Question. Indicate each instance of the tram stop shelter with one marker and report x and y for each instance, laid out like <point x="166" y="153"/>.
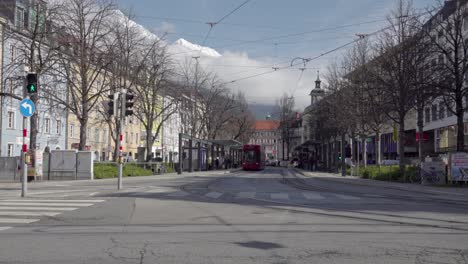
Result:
<point x="202" y="155"/>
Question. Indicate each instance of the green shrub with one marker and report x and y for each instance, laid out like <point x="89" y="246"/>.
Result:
<point x="109" y="170"/>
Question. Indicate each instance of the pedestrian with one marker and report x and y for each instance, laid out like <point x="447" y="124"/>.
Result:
<point x="217" y="162"/>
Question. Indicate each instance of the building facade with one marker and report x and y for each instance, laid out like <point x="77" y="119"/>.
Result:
<point x="267" y="135"/>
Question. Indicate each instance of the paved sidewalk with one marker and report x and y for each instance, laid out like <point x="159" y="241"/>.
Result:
<point x="14" y="188"/>
<point x="457" y="191"/>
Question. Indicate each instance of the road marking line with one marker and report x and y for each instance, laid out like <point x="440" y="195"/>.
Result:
<point x="214" y="195"/>
<point x="246" y="195"/>
<point x="94" y="193"/>
<point x="37" y="208"/>
<point x="13" y="213"/>
<point x="46" y="204"/>
<point x="279" y="196"/>
<point x="347" y="197"/>
<point x="3" y="228"/>
<point x="55" y="201"/>
<point x="313" y="196"/>
<point x="178" y="194"/>
<point x="52" y="192"/>
<point x="17" y="220"/>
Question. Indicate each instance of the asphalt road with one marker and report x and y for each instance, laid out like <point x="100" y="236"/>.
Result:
<point x="274" y="216"/>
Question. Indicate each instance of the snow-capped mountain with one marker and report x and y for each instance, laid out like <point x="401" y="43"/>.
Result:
<point x="182" y="45"/>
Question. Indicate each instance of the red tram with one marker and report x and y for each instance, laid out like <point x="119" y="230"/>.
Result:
<point x="253" y="158"/>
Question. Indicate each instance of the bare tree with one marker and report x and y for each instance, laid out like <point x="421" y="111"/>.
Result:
<point x="240" y="126"/>
<point x="446" y="31"/>
<point x="157" y="98"/>
<point x="134" y="54"/>
<point x="285" y="106"/>
<point x="396" y="66"/>
<point x="84" y="59"/>
<point x="35" y="47"/>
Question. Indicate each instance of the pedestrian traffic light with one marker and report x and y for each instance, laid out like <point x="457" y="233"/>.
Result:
<point x="129" y="96"/>
<point x="31" y="82"/>
<point x="112" y="104"/>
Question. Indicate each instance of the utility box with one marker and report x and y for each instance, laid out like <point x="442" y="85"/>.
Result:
<point x="84" y="165"/>
<point x="62" y="165"/>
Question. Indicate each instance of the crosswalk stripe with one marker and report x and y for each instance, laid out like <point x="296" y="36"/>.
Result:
<point x="42" y="208"/>
<point x="214" y="195"/>
<point x="247" y="195"/>
<point x="313" y="196"/>
<point x="55" y="201"/>
<point x="14" y="213"/>
<point x="282" y="196"/>
<point x="347" y="197"/>
<point x="3" y="228"/>
<point x="46" y="204"/>
<point x="17" y="220"/>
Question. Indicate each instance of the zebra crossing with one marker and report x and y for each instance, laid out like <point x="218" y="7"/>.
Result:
<point x="25" y="211"/>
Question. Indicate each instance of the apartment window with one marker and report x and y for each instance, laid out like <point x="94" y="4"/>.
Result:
<point x="47" y="125"/>
<point x="441" y="60"/>
<point x="126" y="137"/>
<point x="434" y="112"/>
<point x="11" y="120"/>
<point x="427" y="115"/>
<point x="12" y="54"/>
<point x="449" y="113"/>
<point x="96" y="135"/>
<point x="131" y="137"/>
<point x="88" y="133"/>
<point x="441" y="111"/>
<point x="136" y="139"/>
<point x="72" y="131"/>
<point x="465" y="22"/>
<point x="58" y="127"/>
<point x="19" y="18"/>
<point x="10" y="150"/>
<point x="104" y="136"/>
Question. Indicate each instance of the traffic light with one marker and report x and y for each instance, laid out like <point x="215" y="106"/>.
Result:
<point x="129" y="96"/>
<point x="112" y="104"/>
<point x="31" y="82"/>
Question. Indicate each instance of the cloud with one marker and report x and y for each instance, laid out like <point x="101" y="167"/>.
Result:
<point x="166" y="27"/>
<point x="258" y="80"/>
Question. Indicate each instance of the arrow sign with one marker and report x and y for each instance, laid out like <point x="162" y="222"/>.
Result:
<point x="27" y="107"/>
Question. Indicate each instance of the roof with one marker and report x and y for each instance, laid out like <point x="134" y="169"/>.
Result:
<point x="266" y="125"/>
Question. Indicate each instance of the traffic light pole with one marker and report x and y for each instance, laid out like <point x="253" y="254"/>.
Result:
<point x="121" y="116"/>
<point x="24" y="166"/>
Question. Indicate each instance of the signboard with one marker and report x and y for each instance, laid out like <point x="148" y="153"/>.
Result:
<point x="27" y="107"/>
<point x="39" y="161"/>
<point x="459" y="166"/>
<point x="433" y="172"/>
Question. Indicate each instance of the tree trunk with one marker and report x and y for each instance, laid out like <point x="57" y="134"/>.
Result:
<point x="378" y="151"/>
<point x="357" y="156"/>
<point x="460" y="130"/>
<point x="34" y="126"/>
<point x="343" y="154"/>
<point x="420" y="131"/>
<point x="149" y="145"/>
<point x="364" y="156"/>
<point x="83" y="134"/>
<point x="401" y="146"/>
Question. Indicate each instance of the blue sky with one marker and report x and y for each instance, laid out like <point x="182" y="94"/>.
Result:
<point x="260" y="19"/>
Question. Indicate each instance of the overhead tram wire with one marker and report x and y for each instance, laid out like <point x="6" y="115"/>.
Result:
<point x="213" y="24"/>
<point x="321" y="55"/>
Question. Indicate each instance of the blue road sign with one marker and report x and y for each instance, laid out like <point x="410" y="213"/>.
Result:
<point x="27" y="107"/>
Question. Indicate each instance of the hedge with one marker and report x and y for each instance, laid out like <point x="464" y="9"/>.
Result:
<point x="384" y="173"/>
<point x="109" y="170"/>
